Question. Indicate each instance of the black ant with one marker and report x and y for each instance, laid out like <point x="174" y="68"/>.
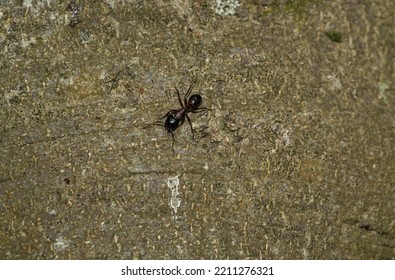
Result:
<point x="176" y="118"/>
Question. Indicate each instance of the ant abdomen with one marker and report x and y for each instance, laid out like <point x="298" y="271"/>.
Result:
<point x="171" y="123"/>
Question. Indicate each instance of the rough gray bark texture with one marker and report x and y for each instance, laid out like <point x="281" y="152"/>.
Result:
<point x="294" y="161"/>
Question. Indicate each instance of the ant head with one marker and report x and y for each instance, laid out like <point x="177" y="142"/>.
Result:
<point x="171" y="123"/>
<point x="195" y="101"/>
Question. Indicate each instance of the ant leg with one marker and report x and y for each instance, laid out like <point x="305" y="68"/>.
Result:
<point x="158" y="123"/>
<point x="190" y="123"/>
<point x="179" y="98"/>
<point x="168" y="113"/>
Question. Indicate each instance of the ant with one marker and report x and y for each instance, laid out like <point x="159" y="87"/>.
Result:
<point x="176" y="118"/>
